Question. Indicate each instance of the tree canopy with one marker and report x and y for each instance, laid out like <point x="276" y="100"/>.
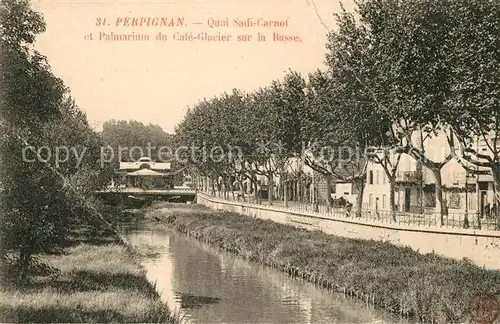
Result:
<point x="48" y="152"/>
<point x="397" y="73"/>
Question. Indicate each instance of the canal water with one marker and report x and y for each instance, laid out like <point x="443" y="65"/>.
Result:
<point x="209" y="286"/>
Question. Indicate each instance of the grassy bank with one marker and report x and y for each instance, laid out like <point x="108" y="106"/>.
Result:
<point x="396" y="278"/>
<point x="93" y="279"/>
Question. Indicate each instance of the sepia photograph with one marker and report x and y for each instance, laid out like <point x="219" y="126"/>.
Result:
<point x="250" y="161"/>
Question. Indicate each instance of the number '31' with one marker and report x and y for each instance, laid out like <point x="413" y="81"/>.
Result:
<point x="100" y="22"/>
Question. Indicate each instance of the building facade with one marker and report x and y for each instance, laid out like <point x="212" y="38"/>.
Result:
<point x="145" y="173"/>
<point x="415" y="188"/>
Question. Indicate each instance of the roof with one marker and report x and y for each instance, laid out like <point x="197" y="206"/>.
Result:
<point x="137" y="165"/>
<point x="342" y="181"/>
<point x="146" y="172"/>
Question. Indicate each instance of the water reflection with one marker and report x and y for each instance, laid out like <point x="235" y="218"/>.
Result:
<point x="209" y="286"/>
<point x="191" y="301"/>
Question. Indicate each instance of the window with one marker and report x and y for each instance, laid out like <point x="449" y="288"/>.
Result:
<point x="384" y="201"/>
<point x="346" y="193"/>
<point x="145" y="166"/>
<point x="483" y="185"/>
<point x="454" y="200"/>
<point x="376" y="177"/>
<point x="371" y="177"/>
<point x="384" y="178"/>
<point x="430" y="199"/>
<point x="370" y="201"/>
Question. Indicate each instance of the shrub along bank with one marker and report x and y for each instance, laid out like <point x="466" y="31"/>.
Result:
<point x="428" y="287"/>
<point x="94" y="278"/>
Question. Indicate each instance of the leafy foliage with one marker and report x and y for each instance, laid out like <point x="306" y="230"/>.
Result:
<point x="38" y="117"/>
<point x="397" y="70"/>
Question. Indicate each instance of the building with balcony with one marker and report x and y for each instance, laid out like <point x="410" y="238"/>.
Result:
<point x="415" y="189"/>
<point x="485" y="183"/>
<point x="407" y="192"/>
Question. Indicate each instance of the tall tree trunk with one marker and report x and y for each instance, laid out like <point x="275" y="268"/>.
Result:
<point x="280" y="189"/>
<point x="328" y="191"/>
<point x="303" y="190"/>
<point x="23" y="264"/>
<point x="392" y="198"/>
<point x="300" y="188"/>
<point x="242" y="190"/>
<point x="256" y="191"/>
<point x="226" y="187"/>
<point x="314" y="193"/>
<point x="250" y="186"/>
<point x="360" y="185"/>
<point x="270" y="188"/>
<point x="231" y="188"/>
<point x="285" y="193"/>
<point x="496" y="183"/>
<point x="439" y="194"/>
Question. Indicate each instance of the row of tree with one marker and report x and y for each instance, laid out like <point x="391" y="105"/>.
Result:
<point x="41" y="200"/>
<point x="394" y="69"/>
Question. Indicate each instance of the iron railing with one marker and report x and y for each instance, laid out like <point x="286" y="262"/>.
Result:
<point x="146" y="190"/>
<point x="458" y="220"/>
<point x="408" y="176"/>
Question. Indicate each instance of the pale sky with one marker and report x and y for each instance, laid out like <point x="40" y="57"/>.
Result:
<point x="155" y="81"/>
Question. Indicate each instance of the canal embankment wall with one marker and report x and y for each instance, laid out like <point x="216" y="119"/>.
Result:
<point x="482" y="247"/>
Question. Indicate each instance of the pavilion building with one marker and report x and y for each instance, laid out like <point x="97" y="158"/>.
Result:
<point x="146" y="174"/>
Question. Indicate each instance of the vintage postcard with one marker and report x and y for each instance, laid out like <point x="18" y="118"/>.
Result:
<point x="265" y="161"/>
